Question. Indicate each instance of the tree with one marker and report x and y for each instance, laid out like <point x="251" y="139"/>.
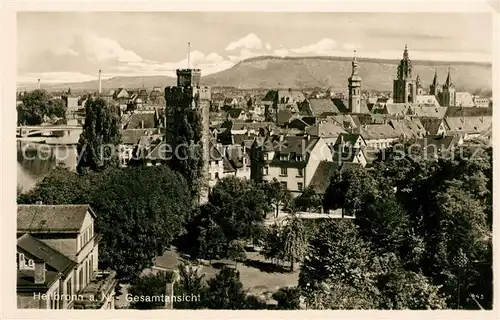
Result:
<point x="146" y="287"/>
<point x="383" y="223"/>
<point x="99" y="141"/>
<point x="287" y="242"/>
<point x="241" y="206"/>
<point x="140" y="212"/>
<point x="225" y="291"/>
<point x="276" y="194"/>
<point x="236" y="251"/>
<point x="308" y="200"/>
<point x="38" y="105"/>
<point x="191" y="283"/>
<point x="213" y="242"/>
<point x="288" y="298"/>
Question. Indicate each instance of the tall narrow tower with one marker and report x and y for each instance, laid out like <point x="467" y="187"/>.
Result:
<point x="434" y="88"/>
<point x="404" y="88"/>
<point x="38" y="84"/>
<point x="448" y="92"/>
<point x="185" y="102"/>
<point x="100" y="88"/>
<point x="354" y="88"/>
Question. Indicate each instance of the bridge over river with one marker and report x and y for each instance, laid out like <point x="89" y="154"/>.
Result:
<point x="66" y="130"/>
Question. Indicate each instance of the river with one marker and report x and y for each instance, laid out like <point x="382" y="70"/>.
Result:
<point x="35" y="160"/>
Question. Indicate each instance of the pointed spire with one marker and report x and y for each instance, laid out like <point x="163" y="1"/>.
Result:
<point x="435" y="81"/>
<point x="448" y="82"/>
<point x="354" y="64"/>
<point x="405" y="53"/>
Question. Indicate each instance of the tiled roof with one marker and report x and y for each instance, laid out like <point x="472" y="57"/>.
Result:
<point x="349" y="139"/>
<point x="468" y="112"/>
<point x="227" y="165"/>
<point x="427" y="99"/>
<point x="235" y="112"/>
<point x="51" y="218"/>
<point x="325" y="129"/>
<point x="379" y="131"/>
<point x="137" y="119"/>
<point x="320" y="106"/>
<point x="26" y="281"/>
<point x="283" y="116"/>
<point x="42" y="251"/>
<point x="294" y="144"/>
<point x="321" y="178"/>
<point x="468" y="124"/>
<point x="431" y="126"/>
<point x="132" y="136"/>
<point x="418" y="110"/>
<point x="411" y="128"/>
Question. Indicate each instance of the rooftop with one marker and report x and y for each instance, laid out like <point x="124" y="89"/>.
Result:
<point x="101" y="285"/>
<point x="51" y="218"/>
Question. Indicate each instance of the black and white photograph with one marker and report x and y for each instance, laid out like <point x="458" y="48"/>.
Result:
<point x="216" y="160"/>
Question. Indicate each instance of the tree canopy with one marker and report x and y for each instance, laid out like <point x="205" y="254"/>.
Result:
<point x="38" y="106"/>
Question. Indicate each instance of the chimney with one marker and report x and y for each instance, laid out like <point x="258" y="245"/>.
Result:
<point x="39" y="272"/>
<point x="38" y="84"/>
<point x="100" y="88"/>
<point x="142" y="124"/>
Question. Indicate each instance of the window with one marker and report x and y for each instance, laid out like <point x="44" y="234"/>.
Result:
<point x="217" y="163"/>
<point x="300" y="172"/>
<point x="284" y="171"/>
<point x="283" y="185"/>
<point x="266" y="171"/>
<point x="300" y="186"/>
<point x="216" y="175"/>
<point x="68" y="286"/>
<point x="283" y="157"/>
<point x="31" y="263"/>
<point x="298" y="158"/>
<point x="266" y="156"/>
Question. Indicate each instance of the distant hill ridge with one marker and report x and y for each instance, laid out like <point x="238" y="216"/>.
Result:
<point x="266" y="72"/>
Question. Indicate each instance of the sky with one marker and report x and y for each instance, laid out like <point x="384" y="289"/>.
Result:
<point x="73" y="46"/>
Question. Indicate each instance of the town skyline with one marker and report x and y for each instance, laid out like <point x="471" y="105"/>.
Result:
<point x="157" y="43"/>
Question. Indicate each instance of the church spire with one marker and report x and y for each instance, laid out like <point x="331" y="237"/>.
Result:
<point x="448" y="82"/>
<point x="354" y="64"/>
<point x="405" y="53"/>
<point x="435" y="81"/>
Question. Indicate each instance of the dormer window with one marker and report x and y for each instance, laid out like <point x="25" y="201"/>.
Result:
<point x="266" y="156"/>
<point x="299" y="157"/>
<point x="283" y="157"/>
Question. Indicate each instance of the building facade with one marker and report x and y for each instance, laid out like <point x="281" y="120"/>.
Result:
<point x="57" y="259"/>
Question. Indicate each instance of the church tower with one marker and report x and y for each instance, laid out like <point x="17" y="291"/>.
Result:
<point x="404" y="87"/>
<point x="448" y="92"/>
<point x="434" y="88"/>
<point x="354" y="88"/>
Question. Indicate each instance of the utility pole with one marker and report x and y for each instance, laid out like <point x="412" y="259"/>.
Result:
<point x="189" y="54"/>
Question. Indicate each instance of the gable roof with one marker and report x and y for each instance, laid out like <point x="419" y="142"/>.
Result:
<point x="412" y="109"/>
<point x="132" y="136"/>
<point x="410" y="128"/>
<point x="137" y="119"/>
<point x="51" y="218"/>
<point x="235" y="112"/>
<point x="468" y="124"/>
<point x="431" y="126"/>
<point x="42" y="251"/>
<point x="468" y="112"/>
<point x="322" y="176"/>
<point x="379" y="131"/>
<point x="325" y="128"/>
<point x="320" y="106"/>
<point x="283" y="117"/>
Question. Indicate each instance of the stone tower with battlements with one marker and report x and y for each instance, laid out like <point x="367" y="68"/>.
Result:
<point x="188" y="96"/>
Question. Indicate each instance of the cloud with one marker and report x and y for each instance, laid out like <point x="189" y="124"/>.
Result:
<point x="251" y="41"/>
<point x="321" y="47"/>
<point x="268" y="46"/>
<point x="102" y="49"/>
<point x="351" y="46"/>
